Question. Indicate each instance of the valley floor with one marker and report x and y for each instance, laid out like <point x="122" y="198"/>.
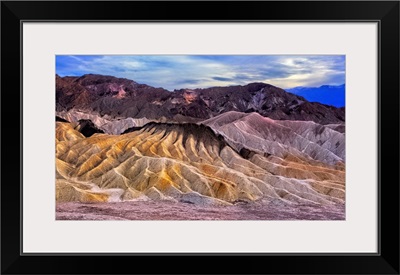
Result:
<point x="164" y="210"/>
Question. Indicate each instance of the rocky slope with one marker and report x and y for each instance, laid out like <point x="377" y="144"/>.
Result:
<point x="107" y="124"/>
<point x="303" y="139"/>
<point x="185" y="163"/>
<point x="117" y="97"/>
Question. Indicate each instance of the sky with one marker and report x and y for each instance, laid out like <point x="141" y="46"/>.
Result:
<point x="202" y="71"/>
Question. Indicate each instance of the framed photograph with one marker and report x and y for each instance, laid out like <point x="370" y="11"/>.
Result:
<point x="248" y="130"/>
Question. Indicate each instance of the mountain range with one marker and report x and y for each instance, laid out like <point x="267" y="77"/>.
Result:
<point x="333" y="95"/>
<point x="118" y="140"/>
<point x="117" y="97"/>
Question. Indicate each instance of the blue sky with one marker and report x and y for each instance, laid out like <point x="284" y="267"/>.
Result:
<point x="201" y="71"/>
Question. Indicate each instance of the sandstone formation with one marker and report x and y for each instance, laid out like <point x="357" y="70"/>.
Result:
<point x="107" y="124"/>
<point x="188" y="163"/>
<point x="305" y="139"/>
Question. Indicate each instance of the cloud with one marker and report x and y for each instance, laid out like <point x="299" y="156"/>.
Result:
<point x="199" y="71"/>
<point x="223" y="79"/>
<point x="190" y="81"/>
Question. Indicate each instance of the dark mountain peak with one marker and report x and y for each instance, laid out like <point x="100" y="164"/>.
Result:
<point x="256" y="86"/>
<point x="96" y="79"/>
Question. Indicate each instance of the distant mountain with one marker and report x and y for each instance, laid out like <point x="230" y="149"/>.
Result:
<point x="326" y="94"/>
<point x="124" y="98"/>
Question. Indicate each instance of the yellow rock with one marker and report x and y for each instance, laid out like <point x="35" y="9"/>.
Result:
<point x="167" y="162"/>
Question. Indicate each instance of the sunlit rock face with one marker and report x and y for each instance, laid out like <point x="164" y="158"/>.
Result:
<point x="186" y="163"/>
<point x="304" y="139"/>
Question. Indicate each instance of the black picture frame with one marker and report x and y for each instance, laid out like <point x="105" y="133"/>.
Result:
<point x="386" y="261"/>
